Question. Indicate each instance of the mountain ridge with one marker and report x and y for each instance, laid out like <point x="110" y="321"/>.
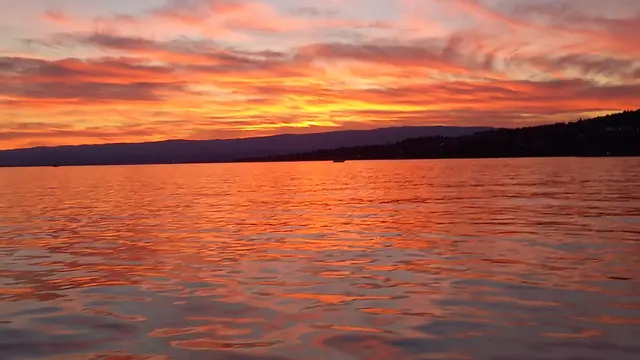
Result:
<point x="218" y="150"/>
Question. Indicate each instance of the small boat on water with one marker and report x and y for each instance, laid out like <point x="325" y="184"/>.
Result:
<point x="339" y="160"/>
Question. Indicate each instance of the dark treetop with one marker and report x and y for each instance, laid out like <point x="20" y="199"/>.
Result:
<point x="611" y="135"/>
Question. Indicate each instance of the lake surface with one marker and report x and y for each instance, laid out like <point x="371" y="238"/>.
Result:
<point x="439" y="259"/>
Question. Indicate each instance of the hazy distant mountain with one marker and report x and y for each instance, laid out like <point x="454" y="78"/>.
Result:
<point x="612" y="135"/>
<point x="185" y="151"/>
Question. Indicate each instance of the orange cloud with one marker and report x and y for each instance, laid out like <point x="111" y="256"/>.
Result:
<point x="207" y="69"/>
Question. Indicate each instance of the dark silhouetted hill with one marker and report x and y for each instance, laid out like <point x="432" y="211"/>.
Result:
<point x="185" y="151"/>
<point x="612" y="135"/>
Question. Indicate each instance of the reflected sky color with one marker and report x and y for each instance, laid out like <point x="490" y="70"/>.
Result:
<point x="362" y="260"/>
<point x="98" y="71"/>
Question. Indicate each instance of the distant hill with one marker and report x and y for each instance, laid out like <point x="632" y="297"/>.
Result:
<point x="612" y="135"/>
<point x="203" y="151"/>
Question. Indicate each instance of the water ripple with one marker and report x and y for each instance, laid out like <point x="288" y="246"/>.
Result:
<point x="490" y="259"/>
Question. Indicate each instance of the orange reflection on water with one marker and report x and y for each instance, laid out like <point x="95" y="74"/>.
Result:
<point x="414" y="259"/>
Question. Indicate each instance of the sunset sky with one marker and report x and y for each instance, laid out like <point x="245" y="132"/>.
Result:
<point x="98" y="71"/>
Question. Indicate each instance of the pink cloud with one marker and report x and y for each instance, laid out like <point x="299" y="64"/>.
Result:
<point x="224" y="67"/>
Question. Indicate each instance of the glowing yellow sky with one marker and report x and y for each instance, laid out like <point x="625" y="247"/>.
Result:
<point x="112" y="71"/>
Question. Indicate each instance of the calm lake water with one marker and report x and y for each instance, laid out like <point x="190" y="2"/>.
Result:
<point x="442" y="259"/>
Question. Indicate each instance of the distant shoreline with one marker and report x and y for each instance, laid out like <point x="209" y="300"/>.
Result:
<point x="616" y="135"/>
<point x="318" y="161"/>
